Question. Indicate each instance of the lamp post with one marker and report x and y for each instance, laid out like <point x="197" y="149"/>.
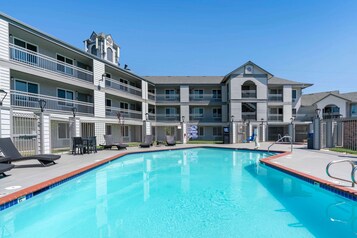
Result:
<point x="3" y="94"/>
<point x="317" y="111"/>
<point x="42" y="104"/>
<point x="74" y="110"/>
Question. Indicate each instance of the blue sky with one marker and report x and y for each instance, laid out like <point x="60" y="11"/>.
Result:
<point x="306" y="40"/>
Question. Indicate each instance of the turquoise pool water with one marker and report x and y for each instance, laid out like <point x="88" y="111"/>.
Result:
<point x="200" y="192"/>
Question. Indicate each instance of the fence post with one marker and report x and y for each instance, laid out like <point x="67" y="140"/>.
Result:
<point x="317" y="134"/>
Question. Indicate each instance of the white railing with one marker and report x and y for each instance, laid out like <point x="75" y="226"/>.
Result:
<point x="205" y="97"/>
<point x="151" y="96"/>
<point x="201" y="118"/>
<point x="168" y="97"/>
<point x="249" y="115"/>
<point x="44" y="62"/>
<point x="275" y="117"/>
<point x="21" y="99"/>
<point x="275" y="97"/>
<point x="127" y="113"/>
<point x="249" y="93"/>
<point x="168" y="117"/>
<point x="115" y="84"/>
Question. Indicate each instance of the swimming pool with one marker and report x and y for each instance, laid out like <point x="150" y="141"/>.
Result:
<point x="202" y="192"/>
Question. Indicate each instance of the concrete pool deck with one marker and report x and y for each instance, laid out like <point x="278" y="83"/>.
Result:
<point x="29" y="174"/>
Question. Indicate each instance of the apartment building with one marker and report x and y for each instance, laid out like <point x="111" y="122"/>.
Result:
<point x="51" y="91"/>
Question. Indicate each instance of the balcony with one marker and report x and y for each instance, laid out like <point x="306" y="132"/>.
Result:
<point x="275" y="97"/>
<point x="168" y="117"/>
<point x="127" y="113"/>
<point x="151" y="96"/>
<point x="21" y="99"/>
<point x="116" y="85"/>
<point x="152" y="117"/>
<point x="200" y="118"/>
<point x="331" y="115"/>
<point x="167" y="97"/>
<point x="249" y="93"/>
<point x="206" y="97"/>
<point x="249" y="115"/>
<point x="275" y="117"/>
<point x="43" y="62"/>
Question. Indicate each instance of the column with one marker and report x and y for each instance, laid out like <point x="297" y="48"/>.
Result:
<point x="44" y="132"/>
<point x="233" y="133"/>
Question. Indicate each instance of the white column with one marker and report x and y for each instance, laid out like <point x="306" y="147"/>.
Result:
<point x="233" y="133"/>
<point x="184" y="132"/>
<point x="44" y="132"/>
<point x="99" y="132"/>
<point x="5" y="122"/>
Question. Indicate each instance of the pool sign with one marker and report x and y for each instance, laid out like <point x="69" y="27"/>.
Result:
<point x="193" y="132"/>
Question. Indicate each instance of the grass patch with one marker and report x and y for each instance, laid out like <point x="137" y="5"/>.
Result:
<point x="343" y="150"/>
<point x="204" y="142"/>
<point x="133" y="144"/>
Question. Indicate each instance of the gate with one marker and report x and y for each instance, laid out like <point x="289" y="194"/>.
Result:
<point x="25" y="133"/>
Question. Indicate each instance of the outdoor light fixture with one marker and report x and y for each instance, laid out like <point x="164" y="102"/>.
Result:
<point x="317" y="110"/>
<point x="183" y="118"/>
<point x="2" y="92"/>
<point x="262" y="119"/>
<point x="292" y="120"/>
<point x="232" y="118"/>
<point x="42" y="104"/>
<point x="103" y="77"/>
<point x="146" y="116"/>
<point x="74" y="110"/>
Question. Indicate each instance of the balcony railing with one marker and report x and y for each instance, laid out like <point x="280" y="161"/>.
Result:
<point x="115" y="84"/>
<point x="151" y="96"/>
<point x="275" y="97"/>
<point x="206" y="97"/>
<point x="200" y="118"/>
<point x="168" y="117"/>
<point x="249" y="115"/>
<point x="167" y="97"/>
<point x="275" y="117"/>
<point x="31" y="100"/>
<point x="127" y="113"/>
<point x="249" y="93"/>
<point x="47" y="63"/>
<point x="331" y="115"/>
<point x="152" y="117"/>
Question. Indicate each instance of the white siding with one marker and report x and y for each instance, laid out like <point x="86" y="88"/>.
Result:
<point x="5" y="84"/>
<point x="99" y="94"/>
<point x="4" y="40"/>
<point x="46" y="134"/>
<point x="5" y="126"/>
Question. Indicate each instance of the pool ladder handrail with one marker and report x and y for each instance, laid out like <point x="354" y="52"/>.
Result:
<point x="353" y="163"/>
<point x="279" y="140"/>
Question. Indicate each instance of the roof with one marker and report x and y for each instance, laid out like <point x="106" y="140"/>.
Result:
<point x="184" y="79"/>
<point x="350" y="96"/>
<point x="279" y="81"/>
<point x="247" y="63"/>
<point x="312" y="98"/>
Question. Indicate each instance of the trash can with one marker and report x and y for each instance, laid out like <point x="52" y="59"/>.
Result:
<point x="310" y="140"/>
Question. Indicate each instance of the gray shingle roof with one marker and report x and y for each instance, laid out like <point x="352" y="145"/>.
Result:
<point x="309" y="99"/>
<point x="350" y="96"/>
<point x="184" y="79"/>
<point x="281" y="81"/>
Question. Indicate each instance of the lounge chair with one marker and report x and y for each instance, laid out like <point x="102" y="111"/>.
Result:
<point x="170" y="141"/>
<point x="148" y="142"/>
<point x="109" y="143"/>
<point x="4" y="168"/>
<point x="11" y="154"/>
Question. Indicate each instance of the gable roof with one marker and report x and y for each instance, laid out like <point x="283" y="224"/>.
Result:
<point x="352" y="96"/>
<point x="310" y="99"/>
<point x="184" y="79"/>
<point x="242" y="66"/>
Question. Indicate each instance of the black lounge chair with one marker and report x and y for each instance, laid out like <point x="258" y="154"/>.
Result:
<point x="148" y="142"/>
<point x="11" y="154"/>
<point x="109" y="143"/>
<point x="5" y="167"/>
<point x="170" y="141"/>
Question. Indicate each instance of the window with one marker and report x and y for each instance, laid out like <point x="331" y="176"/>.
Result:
<point x="64" y="63"/>
<point x="197" y="94"/>
<point x="217" y="93"/>
<point x="65" y="95"/>
<point x="124" y="105"/>
<point x="108" y="105"/>
<point x="123" y="83"/>
<point x="197" y="112"/>
<point x="28" y="56"/>
<point x="170" y="94"/>
<point x="94" y="50"/>
<point x="201" y="131"/>
<point x="26" y="87"/>
<point x="108" y="129"/>
<point x="217" y="131"/>
<point x="354" y="110"/>
<point x="63" y="131"/>
<point x="217" y="112"/>
<point x="109" y="54"/>
<point x="170" y="112"/>
<point x="294" y="95"/>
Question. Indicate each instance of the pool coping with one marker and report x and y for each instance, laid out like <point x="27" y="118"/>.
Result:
<point x="26" y="193"/>
<point x="322" y="183"/>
